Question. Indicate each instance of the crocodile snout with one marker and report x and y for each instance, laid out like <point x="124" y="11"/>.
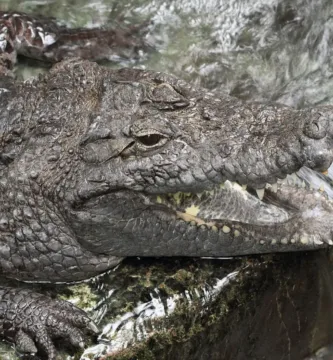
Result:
<point x="317" y="126"/>
<point x="318" y="139"/>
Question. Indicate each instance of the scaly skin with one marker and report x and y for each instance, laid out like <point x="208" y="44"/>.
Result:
<point x="98" y="164"/>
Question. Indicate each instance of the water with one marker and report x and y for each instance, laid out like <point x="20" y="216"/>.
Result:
<point x="257" y="50"/>
<point x="262" y="50"/>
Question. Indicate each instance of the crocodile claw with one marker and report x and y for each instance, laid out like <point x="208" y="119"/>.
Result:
<point x="93" y="328"/>
<point x="33" y="321"/>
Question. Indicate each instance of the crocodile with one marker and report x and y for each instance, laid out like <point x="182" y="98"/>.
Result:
<point x="98" y="164"/>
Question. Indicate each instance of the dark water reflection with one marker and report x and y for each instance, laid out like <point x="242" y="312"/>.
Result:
<point x="274" y="307"/>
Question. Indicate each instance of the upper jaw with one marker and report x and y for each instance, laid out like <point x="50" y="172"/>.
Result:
<point x="257" y="152"/>
<point x="258" y="168"/>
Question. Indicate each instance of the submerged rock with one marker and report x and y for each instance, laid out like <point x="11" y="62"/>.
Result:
<point x="271" y="307"/>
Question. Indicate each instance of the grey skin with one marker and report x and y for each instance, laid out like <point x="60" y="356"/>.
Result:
<point x="99" y="164"/>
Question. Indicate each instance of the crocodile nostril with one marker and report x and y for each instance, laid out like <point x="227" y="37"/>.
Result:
<point x="316" y="126"/>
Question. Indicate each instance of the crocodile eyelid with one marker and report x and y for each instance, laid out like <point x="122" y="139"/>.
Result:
<point x="147" y="132"/>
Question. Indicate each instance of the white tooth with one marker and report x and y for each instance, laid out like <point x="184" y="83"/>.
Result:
<point x="290" y="180"/>
<point x="304" y="239"/>
<point x="226" y="229"/>
<point x="199" y="195"/>
<point x="260" y="193"/>
<point x="236" y="186"/>
<point x="318" y="242"/>
<point x="244" y="187"/>
<point x="274" y="187"/>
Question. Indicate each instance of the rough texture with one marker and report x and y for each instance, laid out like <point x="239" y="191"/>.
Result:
<point x="99" y="164"/>
<point x="263" y="312"/>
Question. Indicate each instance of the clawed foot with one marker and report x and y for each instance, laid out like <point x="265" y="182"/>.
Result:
<point x="33" y="321"/>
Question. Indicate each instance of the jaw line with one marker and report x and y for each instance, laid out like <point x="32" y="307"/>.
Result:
<point x="268" y="198"/>
<point x="190" y="213"/>
<point x="228" y="202"/>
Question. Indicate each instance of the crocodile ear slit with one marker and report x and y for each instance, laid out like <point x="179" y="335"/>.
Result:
<point x="96" y="134"/>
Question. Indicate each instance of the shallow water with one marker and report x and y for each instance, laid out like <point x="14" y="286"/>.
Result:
<point x="255" y="49"/>
<point x="263" y="49"/>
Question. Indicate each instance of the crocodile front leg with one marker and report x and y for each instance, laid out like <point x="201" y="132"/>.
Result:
<point x="32" y="321"/>
<point x="40" y="251"/>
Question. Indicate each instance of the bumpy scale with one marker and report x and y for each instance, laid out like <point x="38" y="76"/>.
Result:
<point x="98" y="164"/>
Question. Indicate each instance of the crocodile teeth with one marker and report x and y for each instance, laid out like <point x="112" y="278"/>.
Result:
<point x="260" y="193"/>
<point x="274" y="188"/>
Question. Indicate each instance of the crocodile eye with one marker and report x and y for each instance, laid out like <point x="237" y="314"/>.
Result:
<point x="151" y="139"/>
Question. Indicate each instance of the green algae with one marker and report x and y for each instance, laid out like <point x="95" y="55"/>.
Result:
<point x="80" y="295"/>
<point x="205" y="328"/>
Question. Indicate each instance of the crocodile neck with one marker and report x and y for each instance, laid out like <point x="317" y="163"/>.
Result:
<point x="16" y="113"/>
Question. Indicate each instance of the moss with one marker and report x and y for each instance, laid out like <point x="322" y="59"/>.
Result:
<point x="81" y="295"/>
<point x="188" y="320"/>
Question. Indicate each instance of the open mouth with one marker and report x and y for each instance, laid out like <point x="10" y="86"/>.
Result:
<point x="227" y="201"/>
<point x="225" y="220"/>
<point x="303" y="195"/>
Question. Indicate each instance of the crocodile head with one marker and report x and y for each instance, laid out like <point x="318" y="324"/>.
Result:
<point x="142" y="164"/>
